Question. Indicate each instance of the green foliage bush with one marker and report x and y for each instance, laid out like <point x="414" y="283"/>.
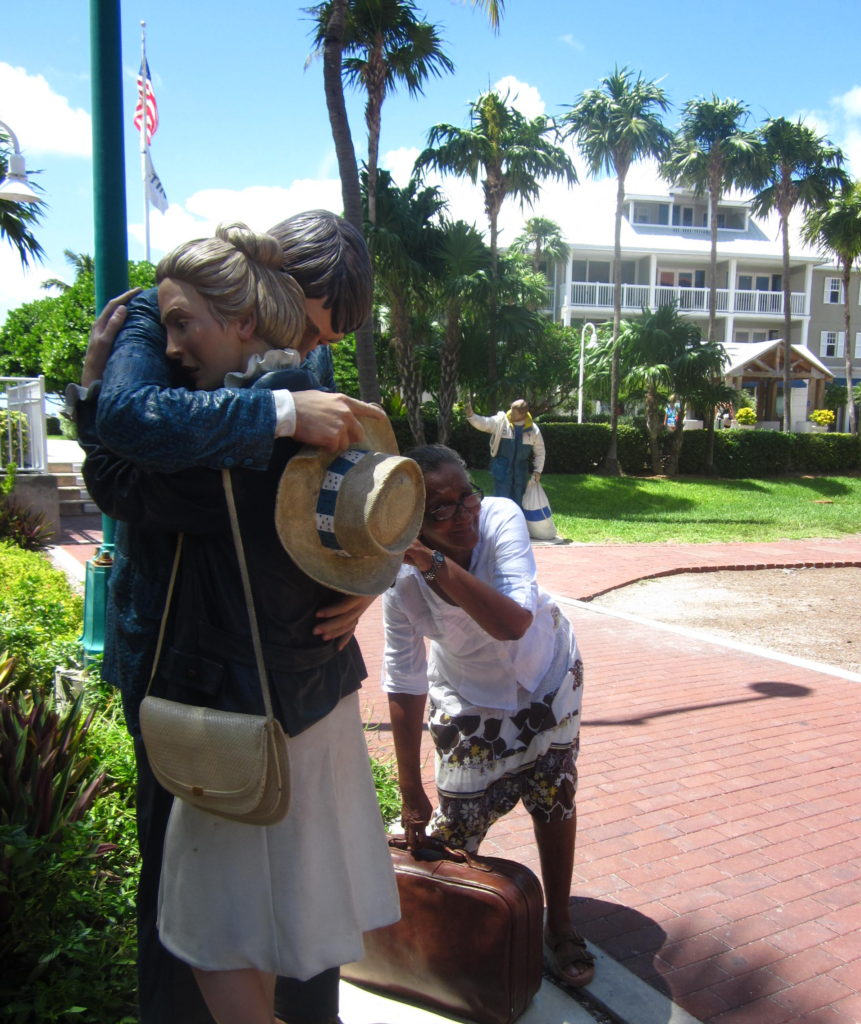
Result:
<point x="825" y="453"/>
<point x="68" y="868"/>
<point x="14" y="436"/>
<point x="581" y="447"/>
<point x="40" y="617"/>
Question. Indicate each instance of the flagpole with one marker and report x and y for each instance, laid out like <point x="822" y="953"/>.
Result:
<point x="144" y="146"/>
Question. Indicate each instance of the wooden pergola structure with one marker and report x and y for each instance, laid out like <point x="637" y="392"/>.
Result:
<point x="760" y="364"/>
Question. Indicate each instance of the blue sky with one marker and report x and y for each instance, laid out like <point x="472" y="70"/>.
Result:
<point x="244" y="132"/>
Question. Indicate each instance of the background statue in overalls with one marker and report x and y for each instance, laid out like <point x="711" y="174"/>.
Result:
<point x="514" y="440"/>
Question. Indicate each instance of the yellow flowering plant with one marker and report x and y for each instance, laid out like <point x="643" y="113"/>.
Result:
<point x="745" y="416"/>
<point x="822" y="417"/>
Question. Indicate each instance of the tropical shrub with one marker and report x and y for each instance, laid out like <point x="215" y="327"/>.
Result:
<point x="745" y="416"/>
<point x="40" y="617"/>
<point x="68" y="866"/>
<point x="24" y="527"/>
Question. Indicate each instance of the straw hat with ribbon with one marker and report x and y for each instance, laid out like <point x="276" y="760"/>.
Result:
<point x="346" y="518"/>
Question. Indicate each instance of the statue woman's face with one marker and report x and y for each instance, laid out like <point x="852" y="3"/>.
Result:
<point x="205" y="348"/>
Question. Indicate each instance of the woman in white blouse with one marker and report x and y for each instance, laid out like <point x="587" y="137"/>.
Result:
<point x="504" y="681"/>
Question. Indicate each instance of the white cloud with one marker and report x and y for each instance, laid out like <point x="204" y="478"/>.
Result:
<point x="17" y="285"/>
<point x="816" y="120"/>
<point x="850" y="102"/>
<point x="399" y="163"/>
<point x="571" y="41"/>
<point x="42" y="120"/>
<point x="258" y="206"/>
<point x="523" y="97"/>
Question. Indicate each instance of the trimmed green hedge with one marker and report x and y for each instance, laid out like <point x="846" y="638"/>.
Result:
<point x="581" y="447"/>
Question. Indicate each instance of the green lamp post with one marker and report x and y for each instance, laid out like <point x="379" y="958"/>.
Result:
<point x="111" y="250"/>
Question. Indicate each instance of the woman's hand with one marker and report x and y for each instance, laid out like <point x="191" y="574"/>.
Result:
<point x="415" y="815"/>
<point x="536" y="476"/>
<point x="419" y="555"/>
<point x="341" y="618"/>
<point x="102" y="337"/>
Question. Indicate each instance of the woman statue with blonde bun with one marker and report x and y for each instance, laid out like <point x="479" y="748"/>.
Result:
<point x="246" y="906"/>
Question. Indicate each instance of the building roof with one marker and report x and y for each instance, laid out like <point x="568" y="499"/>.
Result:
<point x="586" y="213"/>
<point x="765" y="359"/>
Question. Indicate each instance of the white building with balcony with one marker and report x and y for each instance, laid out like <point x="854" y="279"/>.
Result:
<point x="666" y="247"/>
<point x="665" y="257"/>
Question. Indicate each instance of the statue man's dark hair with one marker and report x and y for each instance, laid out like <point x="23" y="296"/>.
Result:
<point x="329" y="260"/>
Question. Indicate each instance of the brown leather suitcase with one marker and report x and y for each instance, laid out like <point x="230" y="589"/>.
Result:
<point x="469" y="941"/>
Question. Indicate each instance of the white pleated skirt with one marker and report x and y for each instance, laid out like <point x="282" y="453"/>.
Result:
<point x="294" y="898"/>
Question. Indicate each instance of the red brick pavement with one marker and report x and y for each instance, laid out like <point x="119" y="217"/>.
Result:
<point x="718" y="852"/>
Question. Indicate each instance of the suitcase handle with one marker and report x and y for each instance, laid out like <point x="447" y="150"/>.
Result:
<point x="430" y="849"/>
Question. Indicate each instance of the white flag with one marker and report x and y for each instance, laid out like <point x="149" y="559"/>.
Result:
<point x="155" y="192"/>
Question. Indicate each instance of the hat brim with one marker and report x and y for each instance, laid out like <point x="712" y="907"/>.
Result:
<point x="295" y="521"/>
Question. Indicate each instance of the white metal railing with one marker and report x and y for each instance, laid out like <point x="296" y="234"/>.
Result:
<point x="768" y="302"/>
<point x="636" y="296"/>
<point x="23" y="431"/>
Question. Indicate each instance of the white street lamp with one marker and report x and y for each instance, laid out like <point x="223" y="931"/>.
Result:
<point x="14" y="187"/>
<point x="594" y="339"/>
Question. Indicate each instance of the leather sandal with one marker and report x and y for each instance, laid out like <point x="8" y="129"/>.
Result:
<point x="568" y="959"/>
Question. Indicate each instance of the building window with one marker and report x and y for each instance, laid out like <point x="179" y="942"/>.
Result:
<point x="651" y="213"/>
<point x="833" y="291"/>
<point x="831" y="344"/>
<point x="857" y="345"/>
<point x="683" y="216"/>
<point x="731" y="219"/>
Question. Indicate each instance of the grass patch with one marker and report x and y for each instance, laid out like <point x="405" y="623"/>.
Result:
<point x="628" y="510"/>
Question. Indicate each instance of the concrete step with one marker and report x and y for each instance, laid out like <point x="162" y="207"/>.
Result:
<point x="78" y="507"/>
<point x="71" y="489"/>
<point x="60" y="468"/>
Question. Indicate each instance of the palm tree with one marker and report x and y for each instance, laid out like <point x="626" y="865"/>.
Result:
<point x="712" y="153"/>
<point x="80" y="262"/>
<point x="17" y="218"/>
<point x="385" y="45"/>
<point x="615" y="125"/>
<point x="495" y="9"/>
<point x="802" y="169"/>
<point x="649" y="348"/>
<point x="541" y="238"/>
<point x="404" y="242"/>
<point x="464" y="267"/>
<point x="511" y="154"/>
<point x="836" y="228"/>
<point x="348" y="172"/>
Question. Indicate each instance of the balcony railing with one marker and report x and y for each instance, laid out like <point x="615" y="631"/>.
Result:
<point x="23" y="437"/>
<point x="636" y="296"/>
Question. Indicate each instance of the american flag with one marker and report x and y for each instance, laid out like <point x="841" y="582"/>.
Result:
<point x="146" y="100"/>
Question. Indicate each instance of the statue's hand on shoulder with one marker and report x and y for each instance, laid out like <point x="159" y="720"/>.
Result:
<point x="103" y="335"/>
<point x="330" y="420"/>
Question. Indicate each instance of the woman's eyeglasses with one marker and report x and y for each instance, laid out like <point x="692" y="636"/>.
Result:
<point x="470" y="501"/>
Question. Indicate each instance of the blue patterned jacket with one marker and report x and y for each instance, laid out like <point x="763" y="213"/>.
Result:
<point x="142" y="415"/>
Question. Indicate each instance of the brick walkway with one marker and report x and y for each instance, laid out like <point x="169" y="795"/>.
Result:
<point x="718" y="852"/>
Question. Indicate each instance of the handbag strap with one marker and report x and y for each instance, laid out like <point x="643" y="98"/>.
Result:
<point x="162" y="625"/>
<point x="246" y="587"/>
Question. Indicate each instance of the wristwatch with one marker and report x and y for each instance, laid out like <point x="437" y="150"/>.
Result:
<point x="437" y="558"/>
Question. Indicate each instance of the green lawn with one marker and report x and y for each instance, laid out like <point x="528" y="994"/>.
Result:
<point x="631" y="510"/>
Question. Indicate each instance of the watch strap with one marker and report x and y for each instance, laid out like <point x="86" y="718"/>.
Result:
<point x="430" y="575"/>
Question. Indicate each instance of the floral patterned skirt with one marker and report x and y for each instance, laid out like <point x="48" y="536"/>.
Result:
<point x="479" y="746"/>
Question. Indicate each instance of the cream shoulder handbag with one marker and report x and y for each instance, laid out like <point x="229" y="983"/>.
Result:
<point x="230" y="764"/>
